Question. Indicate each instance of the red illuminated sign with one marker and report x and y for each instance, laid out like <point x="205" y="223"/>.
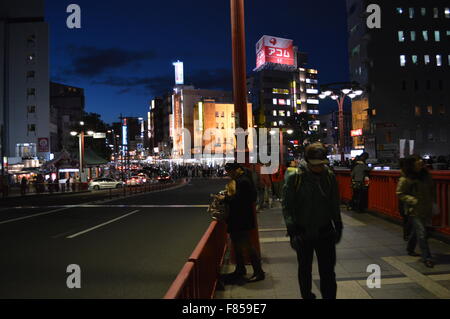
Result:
<point x="275" y="50"/>
<point x="43" y="145"/>
<point x="358" y="132"/>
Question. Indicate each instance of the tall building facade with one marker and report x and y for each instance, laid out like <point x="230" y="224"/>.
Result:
<point x="214" y="127"/>
<point x="184" y="99"/>
<point x="66" y="109"/>
<point x="280" y="88"/>
<point x="404" y="69"/>
<point x="24" y="80"/>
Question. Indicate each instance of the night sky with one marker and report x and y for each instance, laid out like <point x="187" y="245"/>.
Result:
<point x="122" y="56"/>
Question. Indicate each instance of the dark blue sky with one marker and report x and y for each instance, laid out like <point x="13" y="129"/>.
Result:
<point x="122" y="56"/>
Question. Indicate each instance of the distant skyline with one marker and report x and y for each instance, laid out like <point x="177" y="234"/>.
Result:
<point x="122" y="56"/>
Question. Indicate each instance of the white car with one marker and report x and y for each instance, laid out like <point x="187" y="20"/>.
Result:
<point x="104" y="183"/>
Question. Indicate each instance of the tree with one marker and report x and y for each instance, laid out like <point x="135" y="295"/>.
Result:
<point x="300" y="124"/>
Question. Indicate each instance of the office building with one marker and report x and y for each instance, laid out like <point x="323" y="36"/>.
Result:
<point x="404" y="69"/>
<point x="24" y="81"/>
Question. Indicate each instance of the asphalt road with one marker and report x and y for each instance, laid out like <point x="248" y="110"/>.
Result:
<point x="128" y="248"/>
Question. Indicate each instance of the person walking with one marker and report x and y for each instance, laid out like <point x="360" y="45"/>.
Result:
<point x="240" y="199"/>
<point x="23" y="186"/>
<point x="311" y="210"/>
<point x="416" y="190"/>
<point x="359" y="175"/>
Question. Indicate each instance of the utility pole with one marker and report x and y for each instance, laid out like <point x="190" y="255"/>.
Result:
<point x="240" y="86"/>
<point x="239" y="67"/>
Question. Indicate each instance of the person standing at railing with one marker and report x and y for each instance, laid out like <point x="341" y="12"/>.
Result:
<point x="416" y="190"/>
<point x="241" y="199"/>
<point x="359" y="175"/>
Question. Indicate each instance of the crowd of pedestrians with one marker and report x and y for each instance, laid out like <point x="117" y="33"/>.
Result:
<point x="310" y="201"/>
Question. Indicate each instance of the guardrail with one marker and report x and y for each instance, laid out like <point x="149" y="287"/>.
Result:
<point x="382" y="196"/>
<point x="199" y="276"/>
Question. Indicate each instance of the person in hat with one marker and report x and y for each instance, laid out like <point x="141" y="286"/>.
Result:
<point x="311" y="210"/>
<point x="241" y="200"/>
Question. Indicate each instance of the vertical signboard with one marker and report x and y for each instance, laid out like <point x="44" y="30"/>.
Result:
<point x="179" y="72"/>
<point x="274" y="50"/>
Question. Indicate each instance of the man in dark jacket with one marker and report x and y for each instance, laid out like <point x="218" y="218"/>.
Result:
<point x="241" y="199"/>
<point x="313" y="220"/>
<point x="360" y="172"/>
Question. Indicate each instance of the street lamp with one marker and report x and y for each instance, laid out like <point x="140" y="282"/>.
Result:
<point x="81" y="136"/>
<point x="338" y="92"/>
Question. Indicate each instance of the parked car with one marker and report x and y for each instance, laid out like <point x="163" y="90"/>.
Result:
<point x="104" y="183"/>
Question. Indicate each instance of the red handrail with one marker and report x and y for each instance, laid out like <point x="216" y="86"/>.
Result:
<point x="204" y="262"/>
<point x="382" y="196"/>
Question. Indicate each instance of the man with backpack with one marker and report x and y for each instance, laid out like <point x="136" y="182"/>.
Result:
<point x="241" y="201"/>
<point x="311" y="209"/>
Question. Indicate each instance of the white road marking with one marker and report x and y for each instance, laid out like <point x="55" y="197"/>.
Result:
<point x="427" y="283"/>
<point x="101" y="225"/>
<point x="32" y="216"/>
<point x="114" y="206"/>
<point x="272" y="229"/>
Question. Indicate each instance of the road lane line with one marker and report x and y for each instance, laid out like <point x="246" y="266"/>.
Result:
<point x="32" y="216"/>
<point x="113" y="206"/>
<point x="101" y="225"/>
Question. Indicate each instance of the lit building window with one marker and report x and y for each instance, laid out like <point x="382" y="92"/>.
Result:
<point x="430" y="110"/>
<point x="449" y="59"/>
<point x="274" y="101"/>
<point x="427" y="59"/>
<point x="425" y="35"/>
<point x="275" y="124"/>
<point x="423" y="11"/>
<point x="31" y="128"/>
<point x="436" y="13"/>
<point x="437" y="36"/>
<point x="411" y="13"/>
<point x="413" y="36"/>
<point x="402" y="60"/>
<point x="274" y="113"/>
<point x="288" y="102"/>
<point x="282" y="113"/>
<point x="31" y="74"/>
<point x="31" y="91"/>
<point x="281" y="123"/>
<point x="288" y="113"/>
<point x="439" y="60"/>
<point x="417" y="110"/>
<point x="401" y="36"/>
<point x="415" y="59"/>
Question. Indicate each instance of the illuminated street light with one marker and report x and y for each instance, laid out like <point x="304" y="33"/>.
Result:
<point x="81" y="123"/>
<point x="338" y="92"/>
<point x="346" y="91"/>
<point x="290" y="132"/>
<point x="73" y="133"/>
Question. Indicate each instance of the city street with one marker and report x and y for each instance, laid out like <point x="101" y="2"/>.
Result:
<point x="128" y="248"/>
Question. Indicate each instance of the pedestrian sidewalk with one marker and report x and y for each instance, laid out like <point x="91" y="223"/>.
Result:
<point x="366" y="240"/>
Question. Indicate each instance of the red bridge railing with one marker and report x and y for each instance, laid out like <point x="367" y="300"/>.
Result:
<point x="199" y="276"/>
<point x="383" y="199"/>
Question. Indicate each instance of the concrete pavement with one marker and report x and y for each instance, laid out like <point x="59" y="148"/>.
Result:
<point x="366" y="240"/>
